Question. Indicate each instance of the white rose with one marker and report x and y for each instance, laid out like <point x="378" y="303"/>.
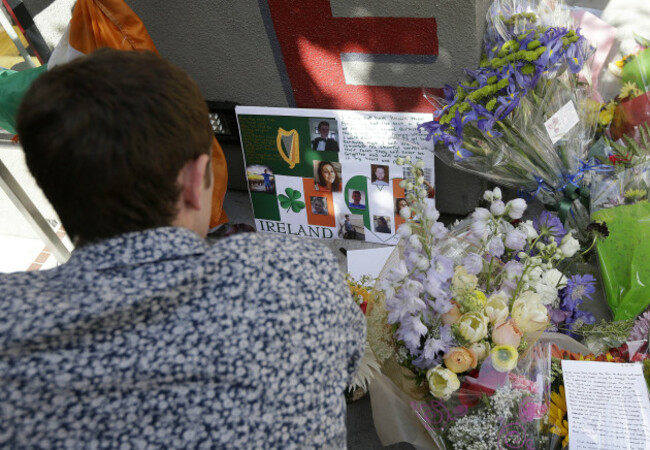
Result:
<point x="529" y="312"/>
<point x="569" y="245"/>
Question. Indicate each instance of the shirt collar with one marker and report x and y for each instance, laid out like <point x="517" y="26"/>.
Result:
<point x="142" y="247"/>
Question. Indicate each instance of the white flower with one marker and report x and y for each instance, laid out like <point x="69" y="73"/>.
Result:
<point x="399" y="161"/>
<point x="496" y="193"/>
<point x="481" y="214"/>
<point x="422" y="262"/>
<point x="515" y="208"/>
<point x="496" y="308"/>
<point x="473" y="263"/>
<point x="419" y="164"/>
<point x="405" y="213"/>
<point x="555" y="278"/>
<point x="515" y="239"/>
<point x="547" y="294"/>
<point x="404" y="230"/>
<point x="569" y="245"/>
<point x="431" y="213"/>
<point x="442" y="382"/>
<point x="495" y="246"/>
<point x="438" y="230"/>
<point x="473" y="326"/>
<point x="529" y="229"/>
<point x="529" y="312"/>
<point x="480" y="349"/>
<point x="497" y="208"/>
<point x="415" y="243"/>
<point x="422" y="193"/>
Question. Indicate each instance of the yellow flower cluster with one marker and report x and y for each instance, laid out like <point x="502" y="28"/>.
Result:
<point x="557" y="416"/>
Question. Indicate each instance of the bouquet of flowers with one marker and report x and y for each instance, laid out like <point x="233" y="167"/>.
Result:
<point x="621" y="202"/>
<point x="458" y="325"/>
<point x="523" y="119"/>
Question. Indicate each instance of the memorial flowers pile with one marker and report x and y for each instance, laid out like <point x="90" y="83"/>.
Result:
<point x="523" y="118"/>
<point x="462" y="310"/>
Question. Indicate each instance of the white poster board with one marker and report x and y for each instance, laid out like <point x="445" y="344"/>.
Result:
<point x="330" y="174"/>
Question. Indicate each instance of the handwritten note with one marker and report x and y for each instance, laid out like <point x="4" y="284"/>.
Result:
<point x="608" y="406"/>
<point x="379" y="137"/>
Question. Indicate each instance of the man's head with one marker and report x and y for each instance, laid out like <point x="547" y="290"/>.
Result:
<point x="356" y="197"/>
<point x="116" y="140"/>
<point x="324" y="129"/>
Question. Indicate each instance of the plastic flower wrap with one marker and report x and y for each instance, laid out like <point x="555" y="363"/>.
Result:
<point x="621" y="202"/>
<point x="462" y="305"/>
<point x="523" y="119"/>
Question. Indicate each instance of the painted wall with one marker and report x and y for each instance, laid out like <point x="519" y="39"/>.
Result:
<point x="335" y="54"/>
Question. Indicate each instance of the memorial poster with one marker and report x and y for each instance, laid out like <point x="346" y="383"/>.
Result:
<point x="330" y="174"/>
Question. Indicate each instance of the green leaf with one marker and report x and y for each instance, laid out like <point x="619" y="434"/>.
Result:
<point x="285" y="201"/>
<point x="297" y="206"/>
<point x="295" y="195"/>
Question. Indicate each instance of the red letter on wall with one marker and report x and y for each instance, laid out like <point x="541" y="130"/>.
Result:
<point x="312" y="42"/>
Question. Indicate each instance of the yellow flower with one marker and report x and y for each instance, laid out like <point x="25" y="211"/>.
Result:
<point x="630" y="90"/>
<point x="442" y="382"/>
<point x="557" y="416"/>
<point x="607" y="113"/>
<point x="504" y="358"/>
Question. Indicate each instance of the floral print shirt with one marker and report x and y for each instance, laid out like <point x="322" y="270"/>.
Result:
<point x="157" y="339"/>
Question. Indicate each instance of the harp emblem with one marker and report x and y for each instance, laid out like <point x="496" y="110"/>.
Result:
<point x="288" y="140"/>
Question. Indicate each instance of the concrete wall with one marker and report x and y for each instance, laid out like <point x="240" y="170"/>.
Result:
<point x="338" y="54"/>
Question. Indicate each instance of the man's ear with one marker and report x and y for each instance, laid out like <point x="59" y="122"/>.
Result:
<point x="192" y="181"/>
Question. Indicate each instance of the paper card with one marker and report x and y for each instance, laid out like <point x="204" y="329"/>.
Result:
<point x="607" y="404"/>
<point x="330" y="174"/>
<point x="368" y="261"/>
<point x="562" y="121"/>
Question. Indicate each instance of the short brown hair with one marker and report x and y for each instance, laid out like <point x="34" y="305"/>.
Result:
<point x="106" y="136"/>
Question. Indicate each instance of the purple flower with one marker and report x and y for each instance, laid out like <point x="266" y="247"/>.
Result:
<point x="473" y="263"/>
<point x="410" y="332"/>
<point x="550" y="224"/>
<point x="641" y="327"/>
<point x="495" y="246"/>
<point x="432" y="353"/>
<point x="578" y="287"/>
<point x="442" y="268"/>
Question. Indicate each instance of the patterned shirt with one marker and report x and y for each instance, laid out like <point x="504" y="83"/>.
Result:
<point x="158" y="340"/>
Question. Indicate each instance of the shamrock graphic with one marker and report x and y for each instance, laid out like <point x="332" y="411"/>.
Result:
<point x="290" y="201"/>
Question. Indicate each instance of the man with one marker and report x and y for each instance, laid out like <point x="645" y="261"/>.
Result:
<point x="148" y="337"/>
<point x="350" y="231"/>
<point x="324" y="142"/>
<point x="356" y="201"/>
<point x="267" y="181"/>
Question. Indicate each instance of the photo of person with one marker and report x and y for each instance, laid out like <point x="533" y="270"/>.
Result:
<point x="357" y="199"/>
<point x="318" y="205"/>
<point x="379" y="175"/>
<point x="260" y="178"/>
<point x="399" y="204"/>
<point x="382" y="224"/>
<point x="351" y="227"/>
<point x="326" y="140"/>
<point x="327" y="176"/>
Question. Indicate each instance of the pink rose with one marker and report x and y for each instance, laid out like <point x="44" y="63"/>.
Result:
<point x="507" y="333"/>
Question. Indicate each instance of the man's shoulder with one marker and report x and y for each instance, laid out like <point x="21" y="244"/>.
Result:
<point x="256" y="248"/>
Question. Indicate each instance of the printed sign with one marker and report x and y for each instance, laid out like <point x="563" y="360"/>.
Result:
<point x="330" y="174"/>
